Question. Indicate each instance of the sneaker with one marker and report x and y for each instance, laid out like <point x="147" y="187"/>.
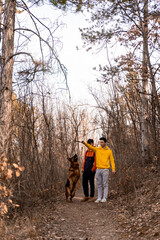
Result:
<point x="91" y="199"/>
<point x="98" y="200"/>
<point x="103" y="200"/>
<point x="85" y="199"/>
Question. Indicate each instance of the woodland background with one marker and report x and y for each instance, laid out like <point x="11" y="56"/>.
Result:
<point x="39" y="130"/>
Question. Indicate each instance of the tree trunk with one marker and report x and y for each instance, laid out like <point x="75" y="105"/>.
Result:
<point x="1" y="9"/>
<point x="145" y="117"/>
<point x="6" y="73"/>
<point x="155" y="106"/>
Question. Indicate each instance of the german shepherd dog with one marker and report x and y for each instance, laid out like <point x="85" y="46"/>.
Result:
<point x="73" y="177"/>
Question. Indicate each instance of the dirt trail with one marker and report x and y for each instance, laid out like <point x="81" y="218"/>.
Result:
<point x="123" y="217"/>
<point x="80" y="220"/>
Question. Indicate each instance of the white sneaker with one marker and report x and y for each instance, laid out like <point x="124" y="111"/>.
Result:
<point x="98" y="200"/>
<point x="103" y="200"/>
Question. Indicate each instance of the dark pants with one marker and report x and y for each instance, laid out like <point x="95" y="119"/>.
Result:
<point x="88" y="176"/>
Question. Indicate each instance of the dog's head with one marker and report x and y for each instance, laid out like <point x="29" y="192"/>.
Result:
<point x="73" y="159"/>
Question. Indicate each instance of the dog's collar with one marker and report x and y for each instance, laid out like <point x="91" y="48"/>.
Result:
<point x="71" y="170"/>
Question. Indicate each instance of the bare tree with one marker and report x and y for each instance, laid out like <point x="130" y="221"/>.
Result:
<point x="135" y="27"/>
<point x="6" y="67"/>
<point x="12" y="54"/>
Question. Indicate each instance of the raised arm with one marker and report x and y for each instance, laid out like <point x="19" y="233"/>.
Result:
<point x="94" y="149"/>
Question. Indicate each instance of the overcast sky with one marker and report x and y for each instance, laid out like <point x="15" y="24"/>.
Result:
<point x="79" y="63"/>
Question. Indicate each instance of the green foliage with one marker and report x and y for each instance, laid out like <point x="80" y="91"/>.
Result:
<point x="60" y="3"/>
<point x="65" y="5"/>
<point x="75" y="5"/>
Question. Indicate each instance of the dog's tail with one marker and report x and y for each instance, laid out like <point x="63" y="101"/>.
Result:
<point x="67" y="183"/>
<point x="78" y="184"/>
<point x="67" y="190"/>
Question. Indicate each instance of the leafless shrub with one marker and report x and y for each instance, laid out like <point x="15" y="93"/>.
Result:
<point x="8" y="174"/>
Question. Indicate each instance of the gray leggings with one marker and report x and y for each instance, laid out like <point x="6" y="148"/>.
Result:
<point x="102" y="182"/>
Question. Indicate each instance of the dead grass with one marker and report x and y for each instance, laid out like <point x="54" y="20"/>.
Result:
<point x="137" y="212"/>
<point x="21" y="228"/>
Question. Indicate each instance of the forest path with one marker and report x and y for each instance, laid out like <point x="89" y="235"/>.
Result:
<point x="79" y="220"/>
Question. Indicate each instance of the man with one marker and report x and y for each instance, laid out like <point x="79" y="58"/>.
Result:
<point x="104" y="157"/>
<point x="88" y="170"/>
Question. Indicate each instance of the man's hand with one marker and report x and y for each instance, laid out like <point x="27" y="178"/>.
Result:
<point x="113" y="172"/>
<point x="82" y="171"/>
<point x="81" y="142"/>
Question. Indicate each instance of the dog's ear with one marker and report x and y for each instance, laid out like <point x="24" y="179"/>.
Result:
<point x="69" y="159"/>
<point x="75" y="158"/>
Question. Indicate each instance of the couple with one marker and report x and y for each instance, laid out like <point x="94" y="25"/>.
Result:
<point x="99" y="159"/>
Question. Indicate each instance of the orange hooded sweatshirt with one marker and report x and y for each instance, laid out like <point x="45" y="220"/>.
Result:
<point x="89" y="161"/>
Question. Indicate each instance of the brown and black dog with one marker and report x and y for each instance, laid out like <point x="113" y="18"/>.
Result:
<point x="73" y="177"/>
